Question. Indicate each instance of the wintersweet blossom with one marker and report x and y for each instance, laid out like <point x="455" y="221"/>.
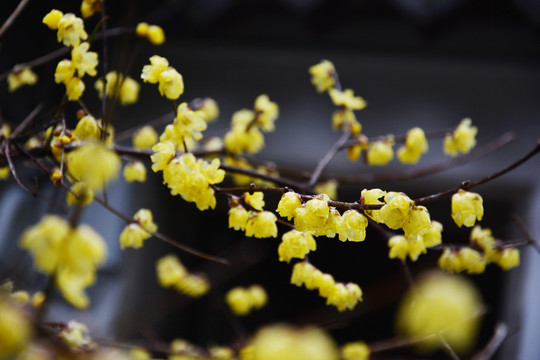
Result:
<point x="288" y="204"/>
<point x="20" y="76"/>
<point x="352" y="226"/>
<point x="346" y="99"/>
<point x="150" y="73"/>
<point x="84" y="61"/>
<point x="322" y="75"/>
<point x="242" y="300"/>
<point x="357" y="350"/>
<point x="71" y="30"/>
<point x="135" y="171"/>
<point x="295" y="244"/>
<point x="415" y="145"/>
<point x="467" y="208"/>
<point x="153" y="33"/>
<point x="396" y="210"/>
<point x="171" y="83"/>
<point x="90" y="7"/>
<point x="380" y="152"/>
<point x="238" y="217"/>
<point x="267" y="112"/>
<point x="94" y="164"/>
<point x="462" y="140"/>
<point x="145" y="137"/>
<point x="15" y="329"/>
<point x="255" y="200"/>
<point x="172" y="273"/>
<point x="120" y="87"/>
<point x="79" y="194"/>
<point x="188" y="125"/>
<point x="87" y="129"/>
<point x="262" y="225"/>
<point x="134" y="234"/>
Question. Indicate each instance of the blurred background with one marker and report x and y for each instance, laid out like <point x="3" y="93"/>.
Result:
<point x="426" y="63"/>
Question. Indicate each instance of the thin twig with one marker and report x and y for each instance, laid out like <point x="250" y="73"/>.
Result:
<point x="7" y="146"/>
<point x="499" y="335"/>
<point x="530" y="239"/>
<point x="24" y="124"/>
<point x="447" y="348"/>
<point x="328" y="157"/>
<point x="13" y="16"/>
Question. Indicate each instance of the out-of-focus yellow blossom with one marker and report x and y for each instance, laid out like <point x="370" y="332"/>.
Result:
<point x="395" y="213"/>
<point x="135" y="171"/>
<point x="255" y="200"/>
<point x="281" y="342"/>
<point x="70" y="29"/>
<point x="87" y="129"/>
<point x="471" y="261"/>
<point x="238" y="178"/>
<point x="380" y="152"/>
<point x="79" y="194"/>
<point x="415" y="145"/>
<point x="56" y="176"/>
<point x="94" y="164"/>
<point x="266" y="112"/>
<point x="328" y="187"/>
<point x="193" y="285"/>
<point x="90" y="7"/>
<point x="145" y="137"/>
<point x="64" y="71"/>
<point x="322" y="75"/>
<point x="400" y="248"/>
<point x="20" y="76"/>
<point x="191" y="178"/>
<point x="308" y="221"/>
<point x="262" y="225"/>
<point x="84" y="61"/>
<point x="75" y="335"/>
<point x="347" y="99"/>
<point x="5" y="131"/>
<point x="120" y="87"/>
<point x="295" y="244"/>
<point x="467" y="207"/>
<point x="71" y="254"/>
<point x="221" y="353"/>
<point x="187" y="125"/>
<point x="153" y="33"/>
<point x="357" y="350"/>
<point x="483" y="238"/>
<point x="171" y="83"/>
<point x="20" y="297"/>
<point x="74" y="88"/>
<point x="242" y="301"/>
<point x="38" y="298"/>
<point x="288" y="204"/>
<point x="164" y="152"/>
<point x="342" y="296"/>
<point x="52" y="19"/>
<point x="15" y="329"/>
<point x="139" y="354"/>
<point x="4" y="172"/>
<point x="433" y="236"/>
<point x="239" y="140"/>
<point x="462" y="140"/>
<point x="238" y="217"/>
<point x="170" y="270"/>
<point x="418" y="222"/>
<point x="354" y="151"/>
<point x="352" y="226"/>
<point x="508" y="258"/>
<point x="442" y="304"/>
<point x="135" y="233"/>
<point x="209" y="108"/>
<point x="449" y="261"/>
<point x="151" y="73"/>
<point x="344" y="118"/>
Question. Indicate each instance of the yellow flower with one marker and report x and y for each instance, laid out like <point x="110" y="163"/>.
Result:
<point x="418" y="222"/>
<point x="164" y="152"/>
<point x="20" y="76"/>
<point x="135" y="233"/>
<point x="84" y="61"/>
<point x="415" y="145"/>
<point x="52" y="19"/>
<point x="94" y="164"/>
<point x="471" y="261"/>
<point x="380" y="152"/>
<point x="135" y="171"/>
<point x="239" y="140"/>
<point x="87" y="129"/>
<point x="151" y="73"/>
<point x="373" y="197"/>
<point x="242" y="301"/>
<point x="344" y="296"/>
<point x="295" y="244"/>
<point x="441" y="304"/>
<point x="74" y="88"/>
<point x="70" y="29"/>
<point x="170" y="270"/>
<point x="120" y="87"/>
<point x="79" y="194"/>
<point x="171" y="83"/>
<point x="467" y="208"/>
<point x="449" y="261"/>
<point x="267" y="112"/>
<point x="255" y="200"/>
<point x="357" y="350"/>
<point x="75" y="335"/>
<point x="187" y="126"/>
<point x="90" y="7"/>
<point x="347" y="99"/>
<point x="322" y="75"/>
<point x="142" y="29"/>
<point x="145" y="137"/>
<point x="193" y="285"/>
<point x="153" y="33"/>
<point x="262" y="225"/>
<point x="395" y="213"/>
<point x="352" y="226"/>
<point x="238" y="217"/>
<point x="399" y="247"/>
<point x="64" y="71"/>
<point x="433" y="236"/>
<point x="139" y="354"/>
<point x="508" y="258"/>
<point x="15" y="329"/>
<point x="208" y="107"/>
<point x="462" y="140"/>
<point x="281" y="342"/>
<point x="4" y="172"/>
<point x="343" y="118"/>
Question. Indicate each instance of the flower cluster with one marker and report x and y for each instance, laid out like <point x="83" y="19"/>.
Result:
<point x="172" y="273"/>
<point x="187" y="126"/>
<point x="153" y="33"/>
<point x="415" y="145"/>
<point x="20" y="76"/>
<point x="243" y="300"/>
<point x="256" y="222"/>
<point x="245" y="135"/>
<point x="344" y="117"/>
<point x="322" y="75"/>
<point x="473" y="261"/>
<point x="136" y="232"/>
<point x="187" y="176"/>
<point x="462" y="140"/>
<point x="343" y="296"/>
<point x="401" y="246"/>
<point x="120" y="87"/>
<point x="467" y="207"/>
<point x="295" y="244"/>
<point x="71" y="255"/>
<point x="171" y="83"/>
<point x="70" y="28"/>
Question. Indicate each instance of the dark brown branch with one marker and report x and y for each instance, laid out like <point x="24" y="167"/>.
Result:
<point x="327" y="157"/>
<point x="24" y="124"/>
<point x="13" y="16"/>
<point x="530" y="239"/>
<point x="7" y="150"/>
